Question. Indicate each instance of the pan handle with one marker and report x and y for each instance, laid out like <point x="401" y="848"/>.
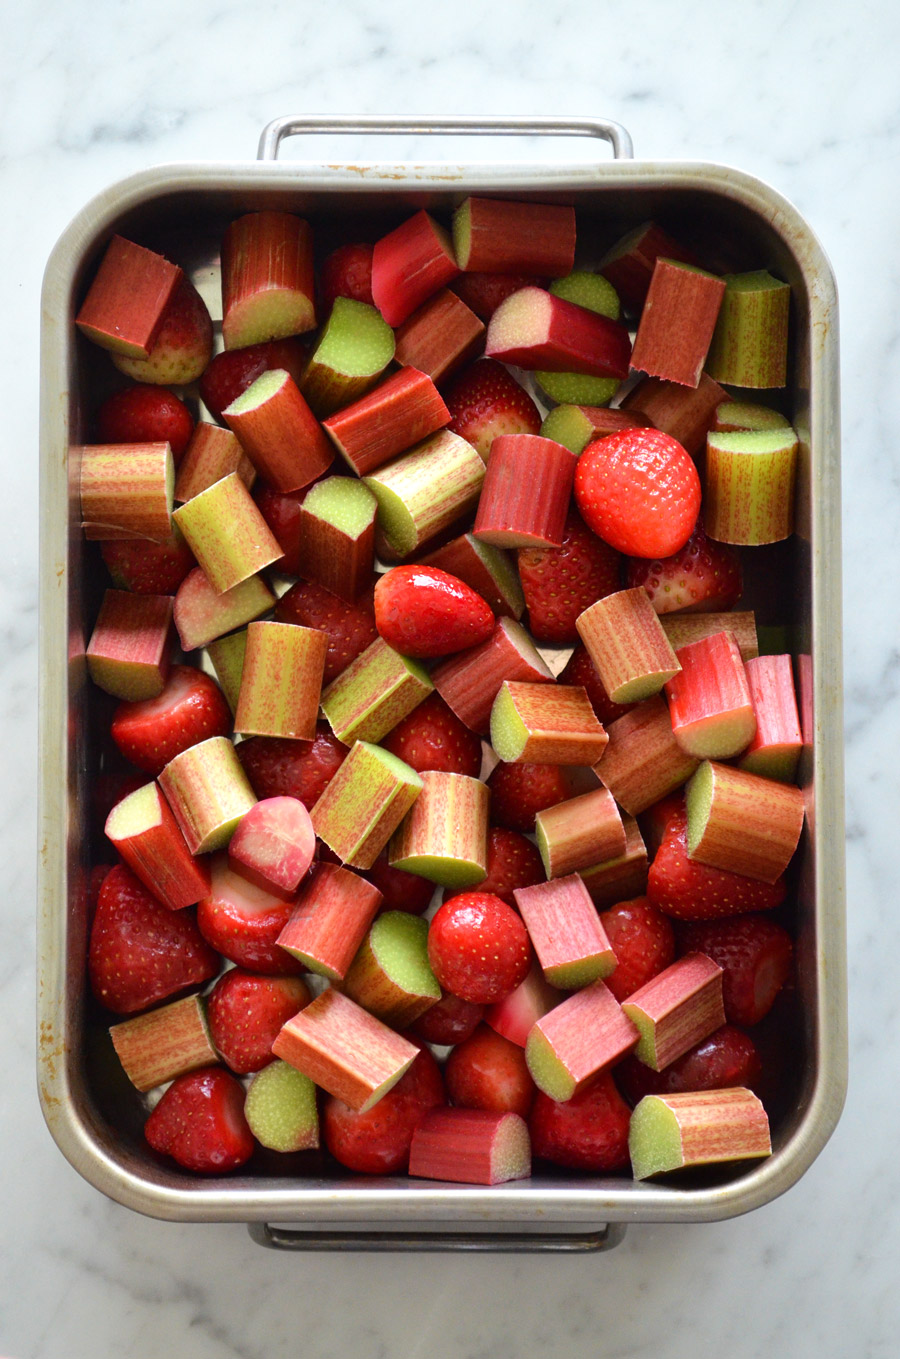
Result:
<point x="468" y="126"/>
<point x="562" y="1243"/>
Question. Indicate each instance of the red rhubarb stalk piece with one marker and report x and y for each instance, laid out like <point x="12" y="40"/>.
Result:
<point x="688" y="890"/>
<point x="775" y="749"/>
<point x="676" y="1009"/>
<point x="373" y="693"/>
<point x="281" y="681"/>
<point x="668" y="1132"/>
<point x="742" y="823"/>
<point x="579" y="832"/>
<point x="144" y="831"/>
<point x="677" y="322"/>
<point x="709" y="700"/>
<point x="545" y="724"/>
<point x="749" y="345"/>
<point x="624" y="876"/>
<point x="353" y="349"/>
<point x="234" y="370"/>
<point x="126" y="491"/>
<point x="212" y="453"/>
<point x="642" y="761"/>
<point x="685" y="413"/>
<point x="329" y="921"/>
<point x="567" y="934"/>
<point x="201" y="615"/>
<point x="470" y="681"/>
<point x="268" y="287"/>
<point x="279" y="432"/>
<point x="409" y="264"/>
<point x="516" y="1014"/>
<point x="274" y="844"/>
<point x="587" y="1032"/>
<point x="496" y="236"/>
<point x="130" y="649"/>
<point x="629" y="263"/>
<point x="126" y="302"/>
<point x="164" y="1043"/>
<point x="227" y="534"/>
<point x="208" y="791"/>
<point x="401" y="411"/>
<point x="625" y="640"/>
<point x="526" y="492"/>
<point x="470" y="1146"/>
<point x="440" y="336"/>
<point x="538" y="330"/>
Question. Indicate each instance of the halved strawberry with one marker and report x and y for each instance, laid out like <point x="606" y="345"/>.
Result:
<point x="512" y="862"/>
<point x="144" y="413"/>
<point x="727" y="1057"/>
<point x="704" y="577"/>
<point x="487" y="1071"/>
<point x="693" y="891"/>
<point x="148" y="568"/>
<point x="232" y="371"/>
<point x="478" y="947"/>
<point x="190" y="709"/>
<point x="485" y="400"/>
<point x="200" y="1122"/>
<point x="520" y="791"/>
<point x="278" y="767"/>
<point x="350" y="627"/>
<point x="183" y="347"/>
<point x="756" y="956"/>
<point x="423" y="612"/>
<point x="587" y="1132"/>
<point x="346" y="272"/>
<point x="643" y="941"/>
<point x="580" y="670"/>
<point x="483" y="293"/>
<point x="639" y="491"/>
<point x="432" y="737"/>
<point x="246" y="1014"/>
<point x="561" y="582"/>
<point x="140" y="952"/>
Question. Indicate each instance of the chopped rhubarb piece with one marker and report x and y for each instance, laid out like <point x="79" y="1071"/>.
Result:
<point x="576" y="426"/>
<point x="212" y="453"/>
<point x="749" y="345"/>
<point x="578" y="1038"/>
<point x="281" y="680"/>
<point x="337" y="522"/>
<point x="232" y="371"/>
<point x="209" y="793"/>
<point x="401" y="411"/>
<point x="488" y="570"/>
<point x="689" y="890"/>
<point x="684" y="628"/>
<point x="515" y="1015"/>
<point x="742" y="823"/>
<point x="526" y="492"/>
<point x="279" y="432"/>
<point x="345" y="1050"/>
<point x="775" y="750"/>
<point x="686" y="413"/>
<point x="579" y="832"/>
<point x="364" y="803"/>
<point x="164" y="1043"/>
<point x="735" y="415"/>
<point x="495" y="236"/>
<point x="144" y="831"/>
<point x="281" y="1109"/>
<point x="353" y="350"/>
<point x="709" y="700"/>
<point x="470" y="681"/>
<point x="675" y="1009"/>
<point x="183" y="347"/>
<point x="226" y="655"/>
<point x="692" y="1129"/>
<point x="534" y="329"/>
<point x="577" y="389"/>
<point x="567" y="934"/>
<point x="409" y="264"/>
<point x="126" y="302"/>
<point x="329" y="921"/>
<point x="227" y="534"/>
<point x="127" y="491"/>
<point x="643" y="761"/>
<point x="677" y="322"/>
<point x="589" y="290"/>
<point x="545" y="724"/>
<point x="444" y="835"/>
<point x="749" y="495"/>
<point x="471" y="1146"/>
<point x="268" y="288"/>
<point x="130" y="650"/>
<point x="440" y="336"/>
<point x="373" y="693"/>
<point x="424" y="491"/>
<point x="629" y="263"/>
<point x="391" y="976"/>
<point x="274" y="844"/>
<point x="201" y="615"/>
<point x="623" y="877"/>
<point x="625" y="640"/>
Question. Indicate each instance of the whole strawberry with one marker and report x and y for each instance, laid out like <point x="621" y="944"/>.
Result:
<point x="692" y="891"/>
<point x="703" y="577"/>
<point x="580" y="670"/>
<point x="350" y="627"/>
<point x="182" y="348"/>
<point x="639" y="491"/>
<point x="756" y="957"/>
<point x="190" y="709"/>
<point x="144" y="413"/>
<point x="400" y="891"/>
<point x="727" y="1057"/>
<point x="432" y="737"/>
<point x="485" y="400"/>
<point x="512" y="862"/>
<point x="377" y="1142"/>
<point x="478" y="947"/>
<point x="200" y="1122"/>
<point x="422" y="612"/>
<point x="587" y="1132"/>
<point x="233" y="371"/>
<point x="519" y="791"/>
<point x="487" y="1071"/>
<point x="246" y="1014"/>
<point x="148" y="568"/>
<point x="278" y="767"/>
<point x="643" y="941"/>
<point x="561" y="582"/>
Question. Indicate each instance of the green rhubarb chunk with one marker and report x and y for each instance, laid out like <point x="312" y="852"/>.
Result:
<point x="750" y="415"/>
<point x="260" y="391"/>
<point x="591" y="291"/>
<point x="227" y="657"/>
<point x="343" y="502"/>
<point x="443" y="869"/>
<point x="374" y="693"/>
<point x="509" y="734"/>
<point x="698" y="797"/>
<point x="547" y="1071"/>
<point x="568" y="426"/>
<point x="356" y="340"/>
<point x="654" y="1139"/>
<point x="399" y="943"/>
<point x="462" y="233"/>
<point x="577" y="389"/>
<point x="364" y="803"/>
<point x="281" y="1108"/>
<point x="500" y="566"/>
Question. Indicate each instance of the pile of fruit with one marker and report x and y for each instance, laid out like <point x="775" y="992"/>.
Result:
<point x="440" y="728"/>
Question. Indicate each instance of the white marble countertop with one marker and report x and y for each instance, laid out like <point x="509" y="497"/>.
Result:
<point x="804" y="96"/>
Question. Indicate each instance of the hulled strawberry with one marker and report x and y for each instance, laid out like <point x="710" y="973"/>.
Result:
<point x="278" y="767"/>
<point x="520" y="791"/>
<point x="140" y="952"/>
<point x="432" y="737"/>
<point x="350" y="627"/>
<point x="377" y="1142"/>
<point x="580" y="670"/>
<point x="485" y="400"/>
<point x="483" y="293"/>
<point x="688" y="890"/>
<point x="487" y="1071"/>
<point x="422" y="611"/>
<point x="247" y="1012"/>
<point x="233" y="371"/>
<point x="183" y="347"/>
<point x="243" y="921"/>
<point x="450" y="1020"/>
<point x="145" y="414"/>
<point x="478" y="947"/>
<point x="512" y="862"/>
<point x="703" y="577"/>
<point x="200" y="1122"/>
<point x="639" y="491"/>
<point x="148" y="568"/>
<point x="643" y="941"/>
<point x="400" y="891"/>
<point x="346" y="272"/>
<point x="561" y="582"/>
<point x="755" y="955"/>
<point x="587" y="1132"/>
<point x="281" y="511"/>
<point x="190" y="709"/>
<point x="726" y="1058"/>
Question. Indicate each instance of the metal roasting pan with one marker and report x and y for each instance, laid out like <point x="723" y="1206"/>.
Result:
<point x="92" y="1112"/>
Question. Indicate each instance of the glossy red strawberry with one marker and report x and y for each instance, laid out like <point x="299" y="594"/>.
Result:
<point x="346" y="272"/>
<point x="756" y="956"/>
<point x="483" y="293"/>
<point x="278" y="767"/>
<point x="145" y="414"/>
<point x="587" y="1132"/>
<point x="654" y="820"/>
<point x="520" y="791"/>
<point x="232" y="371"/>
<point x="246" y="1013"/>
<point x="580" y="670"/>
<point x="432" y="737"/>
<point x="487" y="1071"/>
<point x="422" y="611"/>
<point x="183" y="347"/>
<point x="512" y="862"/>
<point x="639" y="491"/>
<point x="449" y="1021"/>
<point x="704" y="577"/>
<point x="190" y="709"/>
<point x="691" y="891"/>
<point x="643" y="941"/>
<point x="281" y="511"/>
<point x="200" y="1122"/>
<point x="485" y="400"/>
<point x="561" y="582"/>
<point x="350" y="627"/>
<point x="727" y="1057"/>
<point x="478" y="947"/>
<point x="243" y="921"/>
<point x="148" y="568"/>
<point x="400" y="891"/>
<point x="377" y="1142"/>
<point x="140" y="952"/>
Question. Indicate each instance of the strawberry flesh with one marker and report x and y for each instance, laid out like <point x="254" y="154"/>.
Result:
<point x="512" y="862"/>
<point x="643" y="941"/>
<point x="350" y="628"/>
<point x="519" y="791"/>
<point x="377" y="1142"/>
<point x="148" y="568"/>
<point x="146" y="414"/>
<point x="450" y="1020"/>
<point x="483" y="293"/>
<point x="580" y="670"/>
<point x="755" y="955"/>
<point x="639" y="491"/>
<point x="727" y="1057"/>
<point x="487" y="1071"/>
<point x="246" y="1014"/>
<point x="704" y="577"/>
<point x="234" y="370"/>
<point x="422" y="612"/>
<point x="346" y="272"/>
<point x="587" y="1132"/>
<point x="279" y="767"/>
<point x="183" y="346"/>
<point x="688" y="890"/>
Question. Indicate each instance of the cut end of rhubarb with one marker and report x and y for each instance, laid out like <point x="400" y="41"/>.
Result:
<point x="281" y="1109"/>
<point x="547" y="1071"/>
<point x="699" y="804"/>
<point x="508" y="732"/>
<point x="398" y="941"/>
<point x="259" y="392"/>
<point x="343" y="502"/>
<point x="135" y="813"/>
